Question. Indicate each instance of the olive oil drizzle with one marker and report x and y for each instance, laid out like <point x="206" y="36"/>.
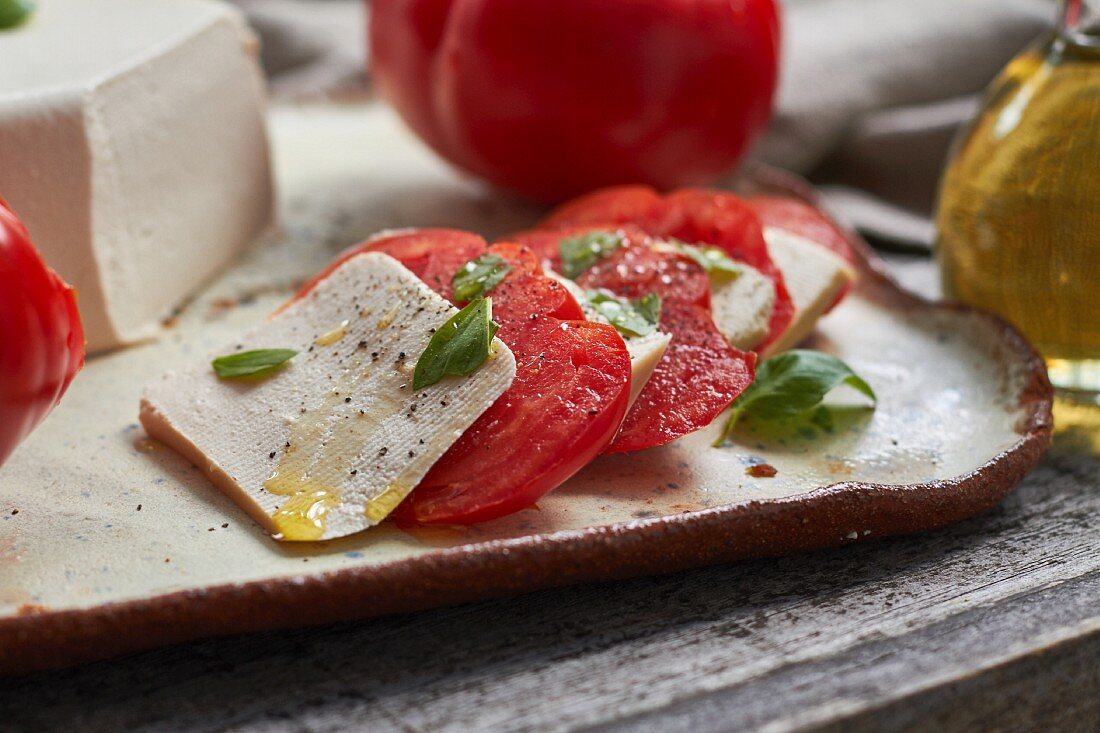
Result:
<point x="305" y="474"/>
<point x="322" y="451"/>
<point x="330" y="338"/>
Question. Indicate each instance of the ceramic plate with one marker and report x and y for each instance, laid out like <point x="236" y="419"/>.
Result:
<point x="110" y="543"/>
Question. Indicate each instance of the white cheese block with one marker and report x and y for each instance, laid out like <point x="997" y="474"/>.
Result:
<point x="814" y="277"/>
<point x="132" y="144"/>
<point x="644" y="351"/>
<point x="742" y="307"/>
<point x="329" y="444"/>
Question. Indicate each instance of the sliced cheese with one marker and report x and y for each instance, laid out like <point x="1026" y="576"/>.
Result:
<point x="814" y="277"/>
<point x="742" y="307"/>
<point x="132" y="144"/>
<point x="644" y="351"/>
<point x="332" y="442"/>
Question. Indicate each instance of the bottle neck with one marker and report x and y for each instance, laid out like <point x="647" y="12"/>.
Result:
<point x="1079" y="22"/>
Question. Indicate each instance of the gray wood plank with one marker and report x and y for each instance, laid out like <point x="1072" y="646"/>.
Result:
<point x="1030" y="665"/>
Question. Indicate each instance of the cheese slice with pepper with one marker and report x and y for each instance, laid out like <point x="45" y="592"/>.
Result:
<point x="814" y="277"/>
<point x="330" y="443"/>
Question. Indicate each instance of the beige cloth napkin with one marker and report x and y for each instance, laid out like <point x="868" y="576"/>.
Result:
<point x="871" y="91"/>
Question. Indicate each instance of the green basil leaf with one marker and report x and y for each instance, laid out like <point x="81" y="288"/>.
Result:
<point x="580" y="253"/>
<point x="459" y="346"/>
<point x="791" y="383"/>
<point x="251" y="363"/>
<point x="479" y="276"/>
<point x="650" y="308"/>
<point x="15" y="12"/>
<point x="719" y="265"/>
<point x="631" y="317"/>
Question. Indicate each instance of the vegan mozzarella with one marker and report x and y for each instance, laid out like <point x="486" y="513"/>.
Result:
<point x="742" y="307"/>
<point x="132" y="144"/>
<point x="330" y="443"/>
<point x="814" y="277"/>
<point x="645" y="352"/>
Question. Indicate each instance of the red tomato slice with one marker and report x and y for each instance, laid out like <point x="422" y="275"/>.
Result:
<point x="698" y="377"/>
<point x="546" y="243"/>
<point x="700" y="215"/>
<point x="634" y="271"/>
<point x="717" y="218"/>
<point x="806" y="221"/>
<point x="694" y="215"/>
<point x="563" y="409"/>
<point x="526" y="293"/>
<point x="615" y="205"/>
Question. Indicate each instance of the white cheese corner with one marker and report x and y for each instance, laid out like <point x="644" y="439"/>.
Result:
<point x="645" y="352"/>
<point x="133" y="145"/>
<point x="814" y="276"/>
<point x="742" y="307"/>
<point x="331" y="443"/>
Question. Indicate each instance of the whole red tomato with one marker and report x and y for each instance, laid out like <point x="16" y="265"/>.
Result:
<point x="552" y="98"/>
<point x="42" y="344"/>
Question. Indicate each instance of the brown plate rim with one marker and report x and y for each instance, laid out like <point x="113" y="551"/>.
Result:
<point x="41" y="639"/>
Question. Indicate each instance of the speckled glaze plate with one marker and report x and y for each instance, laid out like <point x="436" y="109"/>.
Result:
<point x="110" y="543"/>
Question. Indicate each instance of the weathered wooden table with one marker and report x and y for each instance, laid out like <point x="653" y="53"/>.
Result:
<point x="991" y="624"/>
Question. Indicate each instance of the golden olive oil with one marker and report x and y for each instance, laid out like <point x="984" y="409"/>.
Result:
<point x="1018" y="222"/>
